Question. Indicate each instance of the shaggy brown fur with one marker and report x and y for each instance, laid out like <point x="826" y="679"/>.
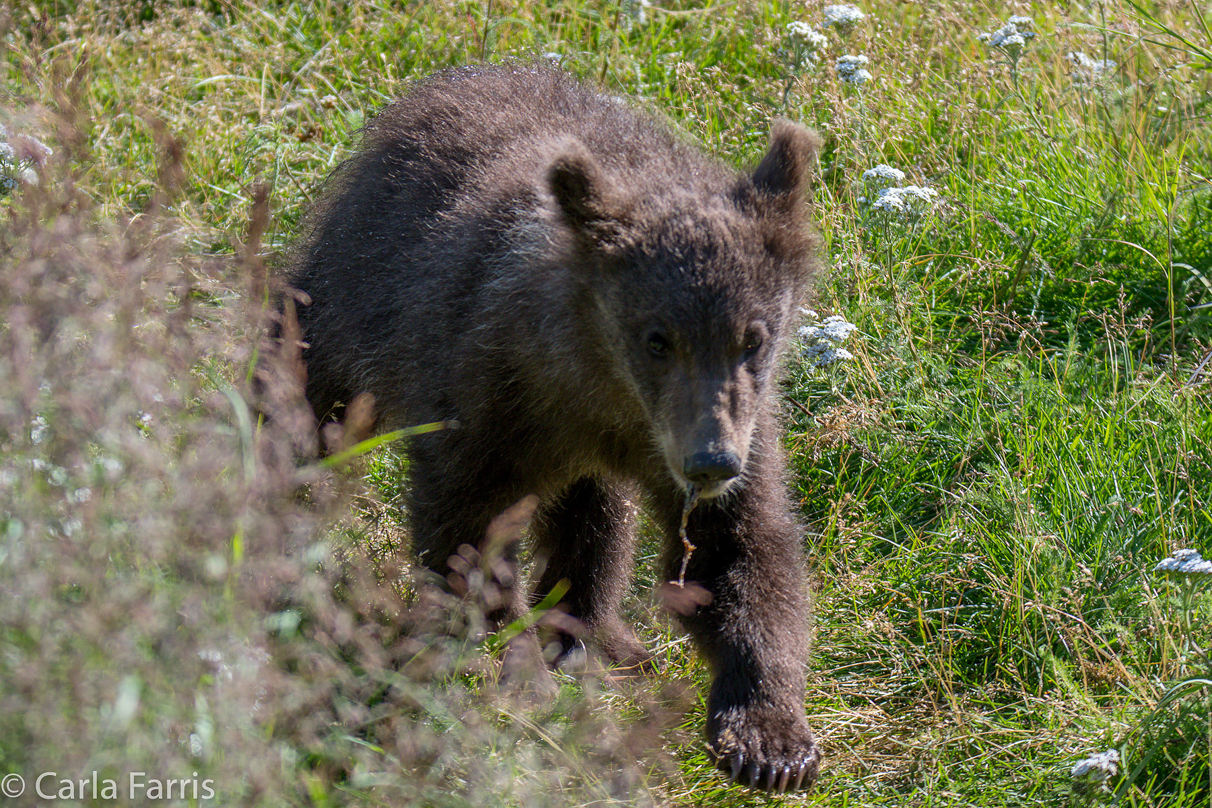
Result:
<point x="601" y="308"/>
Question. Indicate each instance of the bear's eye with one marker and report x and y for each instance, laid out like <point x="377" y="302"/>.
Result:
<point x="753" y="341"/>
<point x="658" y="345"/>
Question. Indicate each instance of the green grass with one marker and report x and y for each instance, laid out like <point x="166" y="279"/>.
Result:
<point x="1021" y="435"/>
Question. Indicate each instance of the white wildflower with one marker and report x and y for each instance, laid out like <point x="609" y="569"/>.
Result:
<point x="806" y="45"/>
<point x="8" y="165"/>
<point x="852" y="69"/>
<point x="1184" y="562"/>
<point x="1080" y="59"/>
<point x="1020" y="22"/>
<point x="890" y="201"/>
<point x="1007" y="37"/>
<point x="1012" y="43"/>
<point x="843" y="17"/>
<point x="20" y="156"/>
<point x="39" y="430"/>
<point x="834" y="328"/>
<point x="919" y="197"/>
<point x="1010" y="39"/>
<point x="821" y="354"/>
<point x="850" y="62"/>
<point x="822" y="341"/>
<point x="883" y="176"/>
<point x="803" y="32"/>
<point x="907" y="204"/>
<point x="1088" y="70"/>
<point x="1092" y="773"/>
<point x="858" y="77"/>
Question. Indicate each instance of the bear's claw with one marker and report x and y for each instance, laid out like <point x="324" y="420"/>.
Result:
<point x="779" y="780"/>
<point x="780" y="767"/>
<point x="771" y="778"/>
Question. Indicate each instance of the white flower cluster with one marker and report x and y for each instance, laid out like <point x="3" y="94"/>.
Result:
<point x="39" y="430"/>
<point x="909" y="201"/>
<point x="822" y="340"/>
<point x="883" y="176"/>
<point x="843" y="17"/>
<point x="8" y="165"/>
<point x="19" y="158"/>
<point x="1184" y="562"/>
<point x="852" y="70"/>
<point x="1011" y="37"/>
<point x="1088" y="70"/>
<point x="807" y="44"/>
<point x="1094" y="771"/>
<point x="906" y="203"/>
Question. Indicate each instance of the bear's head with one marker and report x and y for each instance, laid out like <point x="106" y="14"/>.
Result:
<point x="696" y="278"/>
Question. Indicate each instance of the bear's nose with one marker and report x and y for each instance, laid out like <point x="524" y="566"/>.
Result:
<point x="711" y="467"/>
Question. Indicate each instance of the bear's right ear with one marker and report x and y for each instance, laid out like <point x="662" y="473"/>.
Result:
<point x="586" y="200"/>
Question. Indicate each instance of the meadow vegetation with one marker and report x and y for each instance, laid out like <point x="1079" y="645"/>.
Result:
<point x="1018" y="431"/>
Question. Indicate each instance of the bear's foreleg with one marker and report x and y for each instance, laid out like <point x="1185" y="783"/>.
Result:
<point x="754" y="631"/>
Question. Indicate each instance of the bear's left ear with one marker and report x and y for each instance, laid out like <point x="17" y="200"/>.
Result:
<point x="785" y="171"/>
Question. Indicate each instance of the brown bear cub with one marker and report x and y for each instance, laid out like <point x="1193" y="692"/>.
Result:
<point x="601" y="309"/>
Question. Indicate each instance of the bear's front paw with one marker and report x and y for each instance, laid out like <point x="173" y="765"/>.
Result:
<point x="765" y="747"/>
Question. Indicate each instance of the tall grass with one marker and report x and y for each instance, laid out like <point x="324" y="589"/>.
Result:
<point x="1024" y="430"/>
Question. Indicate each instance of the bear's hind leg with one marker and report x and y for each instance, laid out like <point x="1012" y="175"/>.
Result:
<point x="587" y="537"/>
<point x="466" y="530"/>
